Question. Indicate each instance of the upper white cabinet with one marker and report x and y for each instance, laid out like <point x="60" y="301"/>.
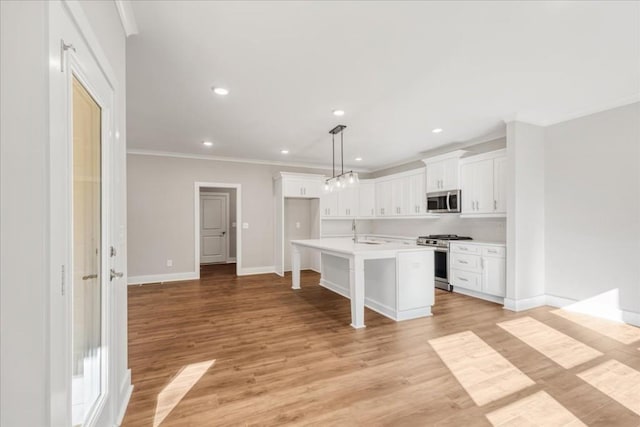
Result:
<point x="301" y="185"/>
<point x="483" y="184"/>
<point x="401" y="195"/>
<point x="366" y="199"/>
<point x="443" y="172"/>
<point x="329" y="204"/>
<point x="348" y="201"/>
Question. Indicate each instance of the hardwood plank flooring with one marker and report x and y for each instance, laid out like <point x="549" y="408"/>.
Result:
<point x="284" y="357"/>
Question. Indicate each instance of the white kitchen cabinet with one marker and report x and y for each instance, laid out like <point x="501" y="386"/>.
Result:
<point x="366" y="199"/>
<point x="348" y="202"/>
<point x="478" y="267"/>
<point x="494" y="275"/>
<point x="308" y="188"/>
<point x="416" y="204"/>
<point x="399" y="196"/>
<point x="443" y="172"/>
<point x="383" y="198"/>
<point x="329" y="204"/>
<point x="500" y="184"/>
<point x="482" y="181"/>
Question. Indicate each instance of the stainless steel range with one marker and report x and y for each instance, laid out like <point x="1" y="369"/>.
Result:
<point x="440" y="242"/>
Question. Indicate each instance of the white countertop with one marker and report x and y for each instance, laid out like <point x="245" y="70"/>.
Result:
<point x="347" y="247"/>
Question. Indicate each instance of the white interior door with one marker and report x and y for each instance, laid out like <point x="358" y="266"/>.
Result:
<point x="213" y="228"/>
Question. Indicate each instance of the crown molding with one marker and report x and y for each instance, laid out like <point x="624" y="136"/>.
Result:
<point x="127" y="17"/>
<point x="234" y="160"/>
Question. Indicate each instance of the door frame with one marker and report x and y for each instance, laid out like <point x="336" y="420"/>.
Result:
<point x="90" y="65"/>
<point x="196" y="222"/>
<point x="227" y="198"/>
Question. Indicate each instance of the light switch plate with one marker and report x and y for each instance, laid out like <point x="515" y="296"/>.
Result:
<point x="245" y="225"/>
<point x="169" y="263"/>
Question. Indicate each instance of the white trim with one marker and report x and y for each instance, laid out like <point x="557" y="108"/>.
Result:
<point x="525" y="303"/>
<point x="196" y="224"/>
<point x="126" y="389"/>
<point x="489" y="155"/>
<point x="227" y="241"/>
<point x="162" y="278"/>
<point x="627" y="316"/>
<point x="141" y="152"/>
<point x="488" y="215"/>
<point x="456" y="154"/>
<point x="127" y="17"/>
<point x="414" y="313"/>
<point x="231" y="260"/>
<point x="479" y="295"/>
<point x="334" y="287"/>
<point x="380" y="308"/>
<point x="250" y="271"/>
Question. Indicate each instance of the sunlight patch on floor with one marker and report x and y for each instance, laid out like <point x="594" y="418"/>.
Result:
<point x="539" y="409"/>
<point x="179" y="386"/>
<point x="482" y="371"/>
<point x="616" y="380"/>
<point x="562" y="349"/>
<point x="621" y="332"/>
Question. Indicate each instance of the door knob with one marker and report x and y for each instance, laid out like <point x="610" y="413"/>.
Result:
<point x="224" y="232"/>
<point x="115" y="274"/>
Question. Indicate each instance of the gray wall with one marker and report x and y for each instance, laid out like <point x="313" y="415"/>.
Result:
<point x="592" y="206"/>
<point x="24" y="269"/>
<point x="160" y="210"/>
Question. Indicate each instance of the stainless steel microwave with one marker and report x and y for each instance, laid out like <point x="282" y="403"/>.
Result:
<point x="444" y="202"/>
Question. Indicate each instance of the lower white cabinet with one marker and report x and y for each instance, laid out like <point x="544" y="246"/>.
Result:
<point x="478" y="267"/>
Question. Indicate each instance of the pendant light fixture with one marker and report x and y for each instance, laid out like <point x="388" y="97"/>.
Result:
<point x="343" y="179"/>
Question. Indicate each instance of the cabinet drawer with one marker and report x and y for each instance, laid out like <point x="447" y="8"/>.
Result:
<point x="496" y="251"/>
<point x="466" y="280"/>
<point x="465" y="249"/>
<point x="466" y="262"/>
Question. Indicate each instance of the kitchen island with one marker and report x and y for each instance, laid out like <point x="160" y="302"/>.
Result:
<point x="395" y="279"/>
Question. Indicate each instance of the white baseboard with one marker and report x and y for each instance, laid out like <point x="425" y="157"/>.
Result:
<point x="380" y="308"/>
<point x="525" y="303"/>
<point x="126" y="388"/>
<point x="250" y="271"/>
<point x="340" y="290"/>
<point x="231" y="260"/>
<point x="414" y="313"/>
<point x="627" y="316"/>
<point x="479" y="295"/>
<point x="162" y="278"/>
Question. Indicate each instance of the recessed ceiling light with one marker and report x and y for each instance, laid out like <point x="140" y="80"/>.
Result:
<point x="207" y="143"/>
<point x="338" y="112"/>
<point x="437" y="130"/>
<point x="220" y="91"/>
<point x="284" y="151"/>
<point x="358" y="159"/>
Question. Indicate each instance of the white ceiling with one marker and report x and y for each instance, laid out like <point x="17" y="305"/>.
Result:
<point x="398" y="69"/>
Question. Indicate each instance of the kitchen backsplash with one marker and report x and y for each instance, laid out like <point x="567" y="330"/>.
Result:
<point x="484" y="229"/>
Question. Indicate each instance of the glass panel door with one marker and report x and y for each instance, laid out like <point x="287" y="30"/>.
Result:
<point x="87" y="254"/>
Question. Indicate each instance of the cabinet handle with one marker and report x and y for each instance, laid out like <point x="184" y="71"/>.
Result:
<point x="492" y="251"/>
<point x="463" y="279"/>
<point x="371" y="211"/>
<point x="495" y="205"/>
<point x="462" y="262"/>
<point x="462" y="248"/>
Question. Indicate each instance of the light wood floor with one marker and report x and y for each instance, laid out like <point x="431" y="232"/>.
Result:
<point x="251" y="351"/>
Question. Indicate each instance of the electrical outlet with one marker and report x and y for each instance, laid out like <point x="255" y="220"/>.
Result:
<point x="169" y="263"/>
<point x="297" y="225"/>
<point x="245" y="225"/>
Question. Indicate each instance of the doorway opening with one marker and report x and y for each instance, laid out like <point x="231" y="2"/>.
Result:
<point x="217" y="228"/>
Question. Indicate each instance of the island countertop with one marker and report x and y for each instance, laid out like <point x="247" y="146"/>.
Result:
<point x="370" y="248"/>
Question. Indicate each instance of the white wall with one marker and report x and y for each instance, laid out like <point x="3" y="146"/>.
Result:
<point x="24" y="230"/>
<point x="525" y="220"/>
<point x="592" y="206"/>
<point x="160" y="210"/>
<point x="25" y="200"/>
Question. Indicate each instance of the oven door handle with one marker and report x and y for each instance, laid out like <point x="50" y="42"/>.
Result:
<point x="448" y="204"/>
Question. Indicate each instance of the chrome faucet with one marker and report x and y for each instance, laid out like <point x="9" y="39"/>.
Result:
<point x="355" y="233"/>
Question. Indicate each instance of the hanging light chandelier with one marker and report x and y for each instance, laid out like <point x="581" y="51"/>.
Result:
<point x="343" y="179"/>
